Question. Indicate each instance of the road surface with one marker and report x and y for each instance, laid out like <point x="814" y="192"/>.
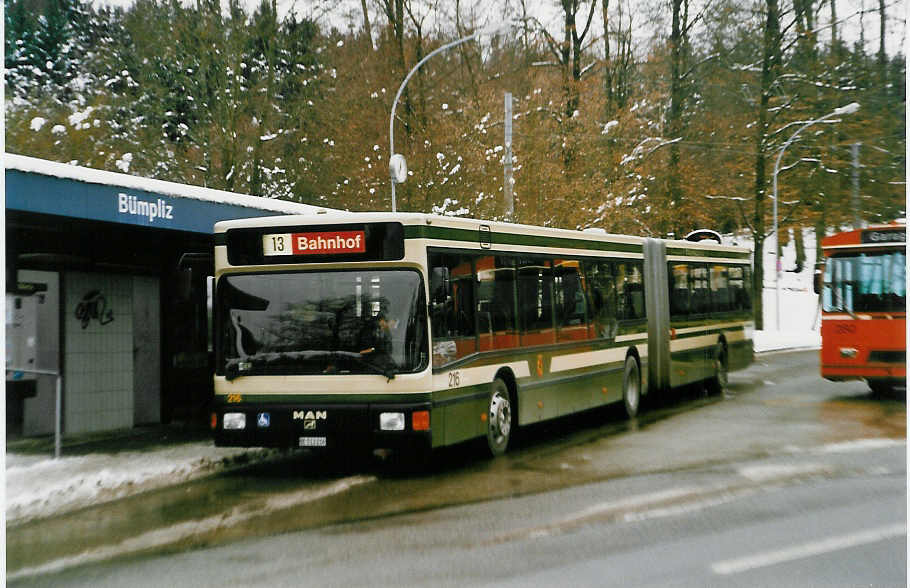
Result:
<point x="787" y="480"/>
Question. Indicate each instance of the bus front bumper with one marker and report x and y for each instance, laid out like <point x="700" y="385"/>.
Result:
<point x="885" y="371"/>
<point x="387" y="426"/>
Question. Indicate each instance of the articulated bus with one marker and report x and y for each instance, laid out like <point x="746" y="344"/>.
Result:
<point x="864" y="307"/>
<point x="400" y="331"/>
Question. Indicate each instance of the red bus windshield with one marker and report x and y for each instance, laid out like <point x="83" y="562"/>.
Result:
<point x="865" y="282"/>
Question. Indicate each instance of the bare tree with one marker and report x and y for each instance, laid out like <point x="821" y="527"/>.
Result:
<point x="770" y="69"/>
<point x="395" y="13"/>
<point x="882" y="60"/>
<point x="678" y="38"/>
<point x="680" y="70"/>
<point x="618" y="62"/>
<point x="568" y="54"/>
<point x="366" y="24"/>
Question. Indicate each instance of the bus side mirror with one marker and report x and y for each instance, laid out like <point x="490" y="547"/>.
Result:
<point x="187" y="266"/>
<point x="185" y="283"/>
<point x="818" y="278"/>
<point x="439" y="284"/>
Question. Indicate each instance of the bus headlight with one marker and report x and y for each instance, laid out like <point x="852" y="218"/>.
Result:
<point x="234" y="421"/>
<point x="848" y="352"/>
<point x="391" y="421"/>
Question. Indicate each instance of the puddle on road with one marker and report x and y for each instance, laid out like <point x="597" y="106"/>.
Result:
<point x="863" y="417"/>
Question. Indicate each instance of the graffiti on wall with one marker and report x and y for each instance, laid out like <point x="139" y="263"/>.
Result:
<point x="93" y="306"/>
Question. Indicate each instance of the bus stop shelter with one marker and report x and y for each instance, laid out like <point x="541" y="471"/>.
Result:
<point x="96" y="292"/>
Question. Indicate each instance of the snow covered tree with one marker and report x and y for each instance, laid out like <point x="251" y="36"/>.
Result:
<point x="607" y="130"/>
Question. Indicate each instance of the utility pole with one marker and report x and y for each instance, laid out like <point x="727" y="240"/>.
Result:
<point x="854" y="150"/>
<point x="507" y="159"/>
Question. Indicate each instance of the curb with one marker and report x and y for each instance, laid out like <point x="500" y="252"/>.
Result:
<point x="788" y="349"/>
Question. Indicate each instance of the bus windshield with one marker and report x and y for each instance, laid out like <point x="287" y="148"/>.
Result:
<point x="865" y="282"/>
<point x="331" y="322"/>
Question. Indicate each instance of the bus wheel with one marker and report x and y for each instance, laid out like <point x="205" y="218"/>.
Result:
<point x="718" y="383"/>
<point x="882" y="388"/>
<point x="631" y="387"/>
<point x="499" y="418"/>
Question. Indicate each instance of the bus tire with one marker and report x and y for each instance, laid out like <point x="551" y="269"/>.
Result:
<point x="500" y="419"/>
<point x="718" y="382"/>
<point x="631" y="387"/>
<point x="884" y="388"/>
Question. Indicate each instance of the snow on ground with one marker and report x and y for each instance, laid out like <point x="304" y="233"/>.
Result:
<point x="173" y="534"/>
<point x="800" y="317"/>
<point x="776" y="341"/>
<point x="40" y="486"/>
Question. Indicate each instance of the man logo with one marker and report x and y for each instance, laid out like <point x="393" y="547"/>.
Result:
<point x="310" y="415"/>
<point x="309" y="418"/>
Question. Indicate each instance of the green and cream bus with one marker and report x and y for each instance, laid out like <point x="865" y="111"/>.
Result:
<point x="400" y="330"/>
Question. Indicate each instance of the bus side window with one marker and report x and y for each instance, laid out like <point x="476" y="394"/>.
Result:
<point x="503" y="302"/>
<point x="571" y="303"/>
<point x="535" y="300"/>
<point x="495" y="276"/>
<point x="602" y="292"/>
<point x="534" y="294"/>
<point x="701" y="294"/>
<point x="452" y="307"/>
<point x="720" y="292"/>
<point x="679" y="289"/>
<point x="634" y="290"/>
<point x="740" y="287"/>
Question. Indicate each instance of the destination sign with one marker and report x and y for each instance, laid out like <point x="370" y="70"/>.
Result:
<point x="316" y="243"/>
<point x="873" y="236"/>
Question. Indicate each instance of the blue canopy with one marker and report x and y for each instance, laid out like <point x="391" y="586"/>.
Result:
<point x="40" y="186"/>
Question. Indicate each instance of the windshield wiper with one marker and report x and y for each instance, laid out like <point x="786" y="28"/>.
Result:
<point x="234" y="368"/>
<point x="840" y="299"/>
<point x="388" y="371"/>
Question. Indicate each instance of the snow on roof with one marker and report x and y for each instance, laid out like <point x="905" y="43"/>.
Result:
<point x="95" y="176"/>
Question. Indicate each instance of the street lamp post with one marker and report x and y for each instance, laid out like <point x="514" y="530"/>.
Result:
<point x="397" y="168"/>
<point x="848" y="109"/>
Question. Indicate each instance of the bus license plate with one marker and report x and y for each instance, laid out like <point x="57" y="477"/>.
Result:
<point x="312" y="442"/>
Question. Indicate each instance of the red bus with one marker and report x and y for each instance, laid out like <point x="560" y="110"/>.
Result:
<point x="864" y="307"/>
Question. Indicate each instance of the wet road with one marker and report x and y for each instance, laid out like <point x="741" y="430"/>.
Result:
<point x="680" y="453"/>
<point x="834" y="516"/>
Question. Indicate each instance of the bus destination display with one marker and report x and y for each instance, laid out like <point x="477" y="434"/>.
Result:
<point x="314" y="243"/>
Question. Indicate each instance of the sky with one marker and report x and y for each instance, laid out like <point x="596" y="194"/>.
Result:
<point x="341" y="13"/>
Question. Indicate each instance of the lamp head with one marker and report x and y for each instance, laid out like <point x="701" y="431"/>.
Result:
<point x="848" y="109"/>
